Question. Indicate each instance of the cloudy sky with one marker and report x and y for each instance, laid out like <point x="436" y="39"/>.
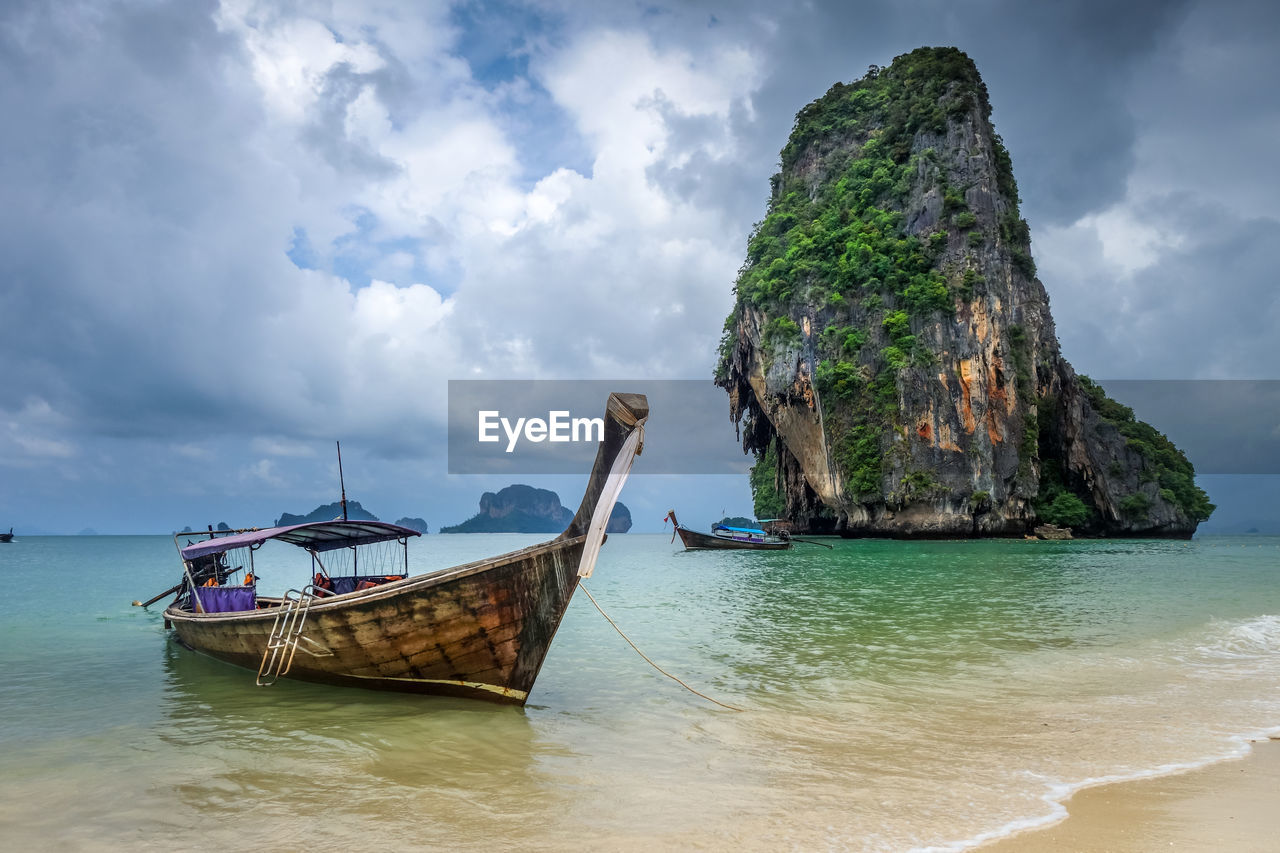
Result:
<point x="234" y="232"/>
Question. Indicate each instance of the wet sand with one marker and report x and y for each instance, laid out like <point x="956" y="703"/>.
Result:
<point x="1231" y="805"/>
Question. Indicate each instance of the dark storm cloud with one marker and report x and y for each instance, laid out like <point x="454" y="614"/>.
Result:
<point x="700" y="174"/>
<point x="104" y="152"/>
<point x="146" y="290"/>
<point x="1057" y="74"/>
<point x="1206" y="107"/>
<point x="1207" y="308"/>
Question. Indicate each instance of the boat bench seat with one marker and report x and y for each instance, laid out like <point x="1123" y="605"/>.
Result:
<point x="227" y="599"/>
<point x="342" y="585"/>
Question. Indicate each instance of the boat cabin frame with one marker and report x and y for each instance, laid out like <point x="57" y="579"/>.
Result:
<point x="220" y="573"/>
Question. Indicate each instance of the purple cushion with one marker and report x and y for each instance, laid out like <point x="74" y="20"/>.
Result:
<point x="351" y="584"/>
<point x="227" y="599"/>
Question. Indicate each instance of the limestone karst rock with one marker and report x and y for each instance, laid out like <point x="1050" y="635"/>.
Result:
<point x="891" y="357"/>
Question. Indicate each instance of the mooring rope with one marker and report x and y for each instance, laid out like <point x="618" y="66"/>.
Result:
<point x="646" y="657"/>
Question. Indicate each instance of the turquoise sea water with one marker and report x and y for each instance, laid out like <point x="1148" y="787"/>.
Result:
<point x="898" y="696"/>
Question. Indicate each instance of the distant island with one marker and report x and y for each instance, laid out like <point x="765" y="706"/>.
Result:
<point x="221" y="528"/>
<point x="524" y="509"/>
<point x="355" y="511"/>
<point x="328" y="512"/>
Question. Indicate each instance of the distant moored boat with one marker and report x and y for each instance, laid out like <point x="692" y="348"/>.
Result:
<point x="724" y="538"/>
<point x="7" y="537"/>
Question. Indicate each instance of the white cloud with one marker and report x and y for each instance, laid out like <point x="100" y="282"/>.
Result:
<point x="271" y="446"/>
<point x="37" y="445"/>
<point x="1130" y="242"/>
<point x="622" y="114"/>
<point x="581" y="274"/>
<point x="35" y="433"/>
<point x="456" y="168"/>
<point x="291" y="55"/>
<point x="262" y="473"/>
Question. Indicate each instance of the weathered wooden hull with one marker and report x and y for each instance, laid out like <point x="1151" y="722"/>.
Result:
<point x="481" y="630"/>
<point x="695" y="541"/>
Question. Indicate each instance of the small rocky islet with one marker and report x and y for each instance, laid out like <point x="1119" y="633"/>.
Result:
<point x="524" y="509"/>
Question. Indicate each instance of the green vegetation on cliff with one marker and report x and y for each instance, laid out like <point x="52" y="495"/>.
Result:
<point x="917" y="92"/>
<point x="769" y="502"/>
<point x="839" y="236"/>
<point x="835" y="241"/>
<point x="1056" y="503"/>
<point x="1164" y="462"/>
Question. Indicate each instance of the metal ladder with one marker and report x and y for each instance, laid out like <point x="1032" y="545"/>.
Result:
<point x="286" y="631"/>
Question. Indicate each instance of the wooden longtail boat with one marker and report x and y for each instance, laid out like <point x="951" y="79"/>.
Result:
<point x="7" y="537"/>
<point x="724" y="538"/>
<point x="480" y="630"/>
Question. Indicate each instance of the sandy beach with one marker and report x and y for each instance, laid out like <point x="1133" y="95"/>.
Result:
<point x="1230" y="805"/>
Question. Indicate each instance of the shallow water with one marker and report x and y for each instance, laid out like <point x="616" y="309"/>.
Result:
<point x="897" y="696"/>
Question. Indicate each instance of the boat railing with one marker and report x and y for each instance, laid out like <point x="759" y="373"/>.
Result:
<point x="286" y="631"/>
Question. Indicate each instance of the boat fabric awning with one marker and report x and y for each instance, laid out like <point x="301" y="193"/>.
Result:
<point x="314" y="536"/>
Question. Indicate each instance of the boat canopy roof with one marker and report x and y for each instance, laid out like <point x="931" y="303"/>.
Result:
<point x="314" y="536"/>
<point x="740" y="529"/>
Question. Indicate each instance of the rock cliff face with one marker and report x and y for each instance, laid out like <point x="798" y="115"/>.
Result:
<point x="891" y="357"/>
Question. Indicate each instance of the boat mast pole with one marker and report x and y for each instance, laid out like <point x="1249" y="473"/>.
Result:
<point x="341" y="483"/>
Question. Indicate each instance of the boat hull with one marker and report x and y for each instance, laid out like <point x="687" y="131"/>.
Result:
<point x="480" y="631"/>
<point x="695" y="541"/>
